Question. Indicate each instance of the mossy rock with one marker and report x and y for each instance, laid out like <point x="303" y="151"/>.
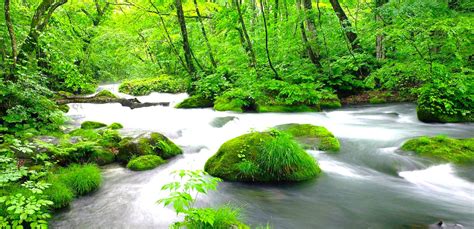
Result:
<point x="312" y="137"/>
<point x="103" y="157"/>
<point x="155" y="144"/>
<point x="425" y="115"/>
<point x="92" y="125"/>
<point x="106" y="94"/>
<point x="442" y="148"/>
<point x="115" y="126"/>
<point x="195" y="101"/>
<point x="236" y="100"/>
<point x="287" y="108"/>
<point x="146" y="162"/>
<point x="163" y="83"/>
<point x="262" y="157"/>
<point x="330" y="103"/>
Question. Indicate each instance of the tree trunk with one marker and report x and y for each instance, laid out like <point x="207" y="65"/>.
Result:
<point x="379" y="46"/>
<point x="184" y="35"/>
<point x="11" y="33"/>
<point x="266" y="40"/>
<point x="313" y="52"/>
<point x="38" y="23"/>
<point x="204" y="34"/>
<point x="346" y="24"/>
<point x="249" y="48"/>
<point x="275" y="12"/>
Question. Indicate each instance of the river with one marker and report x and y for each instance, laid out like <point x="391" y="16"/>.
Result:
<point x="370" y="183"/>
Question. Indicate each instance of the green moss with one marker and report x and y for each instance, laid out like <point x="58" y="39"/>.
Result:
<point x="237" y="100"/>
<point x="156" y="144"/>
<point x="330" y="103"/>
<point x="64" y="108"/>
<point x="106" y="94"/>
<point x="89" y="134"/>
<point x="425" y="115"/>
<point x="145" y="162"/>
<point x="81" y="179"/>
<point x="262" y="157"/>
<point x="103" y="157"/>
<point x="164" y="147"/>
<point x="312" y="137"/>
<point x="115" y="126"/>
<point x="109" y="138"/>
<point x="92" y="125"/>
<point x="59" y="193"/>
<point x="443" y="148"/>
<point x="287" y="108"/>
<point x="225" y="104"/>
<point x="195" y="101"/>
<point x="163" y="83"/>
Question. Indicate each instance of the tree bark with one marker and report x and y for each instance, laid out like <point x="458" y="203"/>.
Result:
<point x="11" y="33"/>
<point x="184" y="36"/>
<point x="249" y="48"/>
<point x="313" y="53"/>
<point x="346" y="24"/>
<point x="379" y="46"/>
<point x="204" y="34"/>
<point x="38" y="23"/>
<point x="266" y="40"/>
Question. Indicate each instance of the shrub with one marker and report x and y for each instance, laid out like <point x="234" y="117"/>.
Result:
<point x="81" y="179"/>
<point x="443" y="148"/>
<point x="92" y="125"/>
<point x="163" y="83"/>
<point x="145" y="162"/>
<point x="262" y="156"/>
<point x="237" y="99"/>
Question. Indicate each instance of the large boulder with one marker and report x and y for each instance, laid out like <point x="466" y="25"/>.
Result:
<point x="271" y="156"/>
<point x="312" y="137"/>
<point x="155" y="144"/>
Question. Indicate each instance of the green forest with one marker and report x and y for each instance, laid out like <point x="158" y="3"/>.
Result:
<point x="258" y="58"/>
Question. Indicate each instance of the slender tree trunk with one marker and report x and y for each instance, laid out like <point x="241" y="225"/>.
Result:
<point x="38" y="23"/>
<point x="379" y="46"/>
<point x="170" y="41"/>
<point x="266" y="40"/>
<point x="346" y="24"/>
<point x="313" y="52"/>
<point x="11" y="33"/>
<point x="204" y="34"/>
<point x="276" y="11"/>
<point x="249" y="48"/>
<point x="184" y="35"/>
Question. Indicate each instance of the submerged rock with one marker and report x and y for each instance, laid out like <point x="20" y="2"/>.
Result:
<point x="312" y="137"/>
<point x="262" y="157"/>
<point x="221" y="121"/>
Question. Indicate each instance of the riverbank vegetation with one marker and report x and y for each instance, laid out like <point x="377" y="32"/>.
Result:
<point x="241" y="56"/>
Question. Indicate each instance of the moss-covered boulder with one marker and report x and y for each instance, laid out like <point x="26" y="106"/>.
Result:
<point x="155" y="144"/>
<point x="145" y="162"/>
<point x="237" y="100"/>
<point x="262" y="157"/>
<point x="92" y="125"/>
<point x="262" y="108"/>
<point x="427" y="115"/>
<point x="115" y="126"/>
<point x="106" y="94"/>
<point x="442" y="148"/>
<point x="312" y="137"/>
<point x="332" y="103"/>
<point x="196" y="101"/>
<point x="163" y="83"/>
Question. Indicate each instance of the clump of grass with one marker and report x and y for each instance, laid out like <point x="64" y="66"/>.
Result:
<point x="262" y="156"/>
<point x="145" y="162"/>
<point x="59" y="193"/>
<point x="459" y="151"/>
<point x="81" y="179"/>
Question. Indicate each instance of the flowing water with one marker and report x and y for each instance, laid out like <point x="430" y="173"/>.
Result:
<point x="368" y="184"/>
